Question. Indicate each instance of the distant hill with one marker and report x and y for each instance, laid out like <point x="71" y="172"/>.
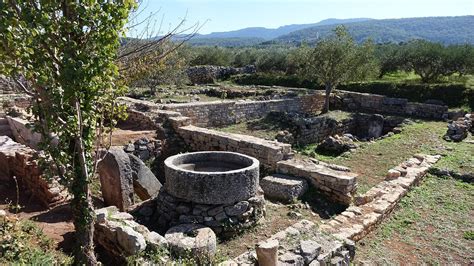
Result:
<point x="226" y="42"/>
<point x="249" y="36"/>
<point x="447" y="30"/>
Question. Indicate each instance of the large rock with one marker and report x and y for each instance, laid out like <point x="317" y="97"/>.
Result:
<point x="458" y="130"/>
<point x="130" y="240"/>
<point x="192" y="240"/>
<point x="116" y="179"/>
<point x="145" y="184"/>
<point x="337" y="144"/>
<point x="283" y="188"/>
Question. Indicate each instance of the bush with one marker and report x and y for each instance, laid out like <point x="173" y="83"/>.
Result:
<point x="453" y="95"/>
<point x="274" y="79"/>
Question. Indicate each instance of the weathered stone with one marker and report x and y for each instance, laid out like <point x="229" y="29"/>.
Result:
<point x="116" y="179"/>
<point x="238" y="209"/>
<point x="284" y="188"/>
<point x="145" y="184"/>
<point x="267" y="252"/>
<point x="309" y="250"/>
<point x="234" y="175"/>
<point x="392" y="174"/>
<point x="290" y="258"/>
<point x="130" y="240"/>
<point x="200" y="241"/>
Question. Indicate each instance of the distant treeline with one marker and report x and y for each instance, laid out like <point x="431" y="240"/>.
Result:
<point x="427" y="59"/>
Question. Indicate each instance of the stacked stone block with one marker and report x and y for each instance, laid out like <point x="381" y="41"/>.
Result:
<point x="17" y="160"/>
<point x="338" y="185"/>
<point x="213" y="114"/>
<point x="377" y="203"/>
<point x="373" y="103"/>
<point x="267" y="152"/>
<point x="304" y="244"/>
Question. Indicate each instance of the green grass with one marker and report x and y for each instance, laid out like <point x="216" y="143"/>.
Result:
<point x="459" y="157"/>
<point x="372" y="160"/>
<point x="433" y="224"/>
<point x="22" y="242"/>
<point x="265" y="128"/>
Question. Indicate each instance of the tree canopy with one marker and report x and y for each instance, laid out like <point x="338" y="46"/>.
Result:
<point x="62" y="54"/>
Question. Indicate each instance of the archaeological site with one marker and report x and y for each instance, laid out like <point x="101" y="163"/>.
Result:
<point x="182" y="133"/>
<point x="243" y="181"/>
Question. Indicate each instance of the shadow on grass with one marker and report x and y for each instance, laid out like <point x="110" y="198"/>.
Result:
<point x="321" y="204"/>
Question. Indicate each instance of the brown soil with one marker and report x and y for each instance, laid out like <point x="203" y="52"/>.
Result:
<point x="56" y="223"/>
<point x="125" y="136"/>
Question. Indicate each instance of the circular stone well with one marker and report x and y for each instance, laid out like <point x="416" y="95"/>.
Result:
<point x="219" y="190"/>
<point x="212" y="177"/>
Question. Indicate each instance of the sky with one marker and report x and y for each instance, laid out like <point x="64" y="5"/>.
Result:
<point x="226" y="15"/>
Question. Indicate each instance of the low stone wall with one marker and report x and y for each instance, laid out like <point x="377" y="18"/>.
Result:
<point x="377" y="203"/>
<point x="304" y="244"/>
<point x="373" y="103"/>
<point x="121" y="237"/>
<point x="222" y="113"/>
<point x="338" y="185"/>
<point x="17" y="160"/>
<point x="267" y="152"/>
<point x="315" y="129"/>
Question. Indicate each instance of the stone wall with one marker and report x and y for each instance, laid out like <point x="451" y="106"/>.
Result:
<point x="222" y="113"/>
<point x="377" y="203"/>
<point x="314" y="129"/>
<point x="22" y="133"/>
<point x="303" y="244"/>
<point x="17" y="160"/>
<point x="225" y="220"/>
<point x="267" y="152"/>
<point x="373" y="103"/>
<point x="339" y="186"/>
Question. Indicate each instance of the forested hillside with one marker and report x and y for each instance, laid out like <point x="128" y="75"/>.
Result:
<point x="447" y="30"/>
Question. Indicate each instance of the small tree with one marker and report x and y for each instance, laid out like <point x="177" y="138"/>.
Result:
<point x="337" y="59"/>
<point x="427" y="59"/>
<point x="62" y="54"/>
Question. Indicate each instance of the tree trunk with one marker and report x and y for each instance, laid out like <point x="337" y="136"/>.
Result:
<point x="82" y="208"/>
<point x="328" y="88"/>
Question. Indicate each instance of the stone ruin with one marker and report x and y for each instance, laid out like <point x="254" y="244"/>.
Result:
<point x="210" y="180"/>
<point x="217" y="189"/>
<point x="459" y="129"/>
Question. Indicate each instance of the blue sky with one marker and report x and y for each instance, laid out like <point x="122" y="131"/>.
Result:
<point x="225" y="15"/>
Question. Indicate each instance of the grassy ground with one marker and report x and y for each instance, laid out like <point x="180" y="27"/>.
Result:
<point x="265" y="128"/>
<point x="432" y="225"/>
<point x="23" y="243"/>
<point x="372" y="160"/>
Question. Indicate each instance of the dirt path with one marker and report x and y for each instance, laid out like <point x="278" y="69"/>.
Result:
<point x="56" y="223"/>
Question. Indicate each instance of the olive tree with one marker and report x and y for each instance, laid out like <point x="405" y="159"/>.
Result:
<point x="62" y="54"/>
<point x="335" y="60"/>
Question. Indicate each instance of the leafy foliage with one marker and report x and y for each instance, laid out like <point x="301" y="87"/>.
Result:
<point x="24" y="243"/>
<point x="336" y="60"/>
<point x="62" y="54"/>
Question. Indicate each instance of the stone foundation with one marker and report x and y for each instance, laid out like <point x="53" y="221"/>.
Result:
<point x="377" y="203"/>
<point x="267" y="152"/>
<point x="304" y="244"/>
<point x="374" y="103"/>
<point x="214" y="114"/>
<point x="17" y="160"/>
<point x="224" y="219"/>
<point x="337" y="185"/>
